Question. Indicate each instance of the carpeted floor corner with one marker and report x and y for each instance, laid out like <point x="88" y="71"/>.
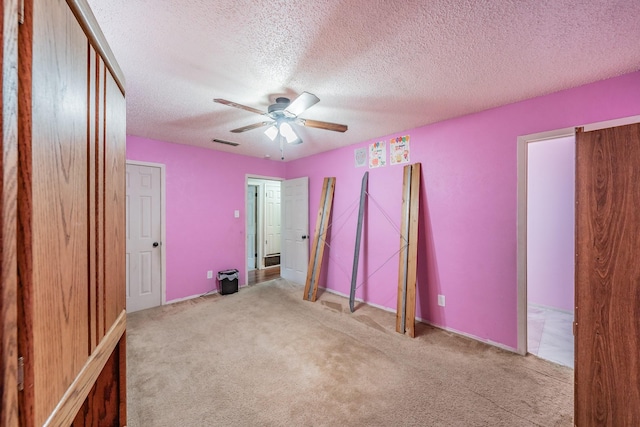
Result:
<point x="265" y="357"/>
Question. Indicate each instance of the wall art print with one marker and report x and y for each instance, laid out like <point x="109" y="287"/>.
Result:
<point x="360" y="156"/>
<point x="377" y="155"/>
<point x="399" y="151"/>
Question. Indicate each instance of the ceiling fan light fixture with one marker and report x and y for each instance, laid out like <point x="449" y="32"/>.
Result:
<point x="271" y="132"/>
<point x="287" y="131"/>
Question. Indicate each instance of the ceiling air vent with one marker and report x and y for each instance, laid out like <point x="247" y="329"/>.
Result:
<point x="221" y="141"/>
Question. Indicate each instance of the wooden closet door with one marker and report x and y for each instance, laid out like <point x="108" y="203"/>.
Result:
<point x="607" y="369"/>
<point x="70" y="238"/>
<point x="8" y="214"/>
<point x="53" y="210"/>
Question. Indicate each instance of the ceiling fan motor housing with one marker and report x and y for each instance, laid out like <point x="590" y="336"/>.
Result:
<point x="280" y="104"/>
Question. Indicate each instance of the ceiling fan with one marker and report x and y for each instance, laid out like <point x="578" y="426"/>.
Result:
<point x="281" y="115"/>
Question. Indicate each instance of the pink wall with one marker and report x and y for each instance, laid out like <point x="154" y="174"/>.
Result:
<point x="468" y="229"/>
<point x="203" y="188"/>
<point x="551" y="223"/>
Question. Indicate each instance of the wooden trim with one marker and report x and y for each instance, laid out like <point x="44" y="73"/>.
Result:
<point x="91" y="196"/>
<point x="102" y="405"/>
<point x="89" y="24"/>
<point x="24" y="244"/>
<point x="100" y="196"/>
<point x="115" y="196"/>
<point x="611" y="123"/>
<point x="73" y="399"/>
<point x="122" y="372"/>
<point x="8" y="212"/>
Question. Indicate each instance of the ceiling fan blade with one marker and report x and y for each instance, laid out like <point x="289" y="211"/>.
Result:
<point x="301" y="103"/>
<point x="250" y="127"/>
<point x="240" y="106"/>
<point x="323" y="125"/>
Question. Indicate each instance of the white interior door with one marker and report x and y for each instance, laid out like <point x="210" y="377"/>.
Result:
<point x="252" y="194"/>
<point x="272" y="218"/>
<point x="144" y="231"/>
<point x="295" y="230"/>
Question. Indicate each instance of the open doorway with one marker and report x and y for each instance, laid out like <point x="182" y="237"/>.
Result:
<point x="523" y="152"/>
<point x="263" y="229"/>
<point x="551" y="248"/>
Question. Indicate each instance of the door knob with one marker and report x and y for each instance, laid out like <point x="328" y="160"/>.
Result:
<point x="304" y="237"/>
<point x="155" y="244"/>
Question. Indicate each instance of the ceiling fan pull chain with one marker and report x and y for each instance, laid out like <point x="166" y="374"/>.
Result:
<point x="281" y="147"/>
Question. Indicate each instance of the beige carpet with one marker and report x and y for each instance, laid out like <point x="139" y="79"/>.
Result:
<point x="265" y="357"/>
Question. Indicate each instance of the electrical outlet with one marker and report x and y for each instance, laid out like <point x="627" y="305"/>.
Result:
<point x="210" y="274"/>
<point x="441" y="300"/>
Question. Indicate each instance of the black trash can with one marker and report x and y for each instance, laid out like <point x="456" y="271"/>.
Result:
<point x="228" y="281"/>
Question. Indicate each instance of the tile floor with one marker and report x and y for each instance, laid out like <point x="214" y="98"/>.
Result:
<point x="550" y="334"/>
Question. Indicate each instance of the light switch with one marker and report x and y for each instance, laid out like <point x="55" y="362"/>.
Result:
<point x="236" y="214"/>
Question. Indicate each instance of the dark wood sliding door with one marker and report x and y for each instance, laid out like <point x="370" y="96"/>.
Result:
<point x="607" y="369"/>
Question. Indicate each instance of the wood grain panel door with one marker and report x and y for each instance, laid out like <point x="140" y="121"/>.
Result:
<point x="53" y="206"/>
<point x="607" y="365"/>
<point x="69" y="238"/>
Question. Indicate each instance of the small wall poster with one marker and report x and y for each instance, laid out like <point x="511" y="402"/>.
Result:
<point x="361" y="157"/>
<point x="399" y="150"/>
<point x="377" y="155"/>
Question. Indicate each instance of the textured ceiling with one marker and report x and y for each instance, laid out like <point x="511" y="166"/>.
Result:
<point x="379" y="67"/>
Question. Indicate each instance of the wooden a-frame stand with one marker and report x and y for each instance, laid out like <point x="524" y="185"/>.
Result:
<point x="406" y="312"/>
<point x="317" y="249"/>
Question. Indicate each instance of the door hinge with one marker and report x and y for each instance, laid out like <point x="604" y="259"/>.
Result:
<point x="21" y="12"/>
<point x="575" y="326"/>
<point x="20" y="373"/>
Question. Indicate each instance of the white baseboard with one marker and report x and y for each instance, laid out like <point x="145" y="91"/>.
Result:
<point x="173" y="301"/>
<point x="211" y="292"/>
<point x="473" y="337"/>
<point x="426" y="322"/>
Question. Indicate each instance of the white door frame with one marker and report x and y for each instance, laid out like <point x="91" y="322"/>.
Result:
<point x="522" y="156"/>
<point x="256" y="236"/>
<point x="259" y="221"/>
<point x="163" y="230"/>
<point x="260" y="211"/>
